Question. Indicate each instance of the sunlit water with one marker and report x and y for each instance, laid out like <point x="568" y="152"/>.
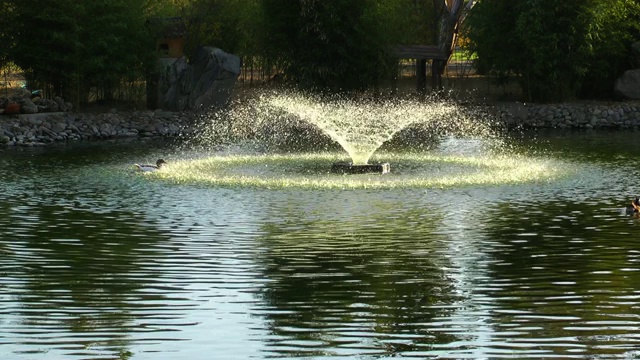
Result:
<point x="410" y="170"/>
<point x="100" y="262"/>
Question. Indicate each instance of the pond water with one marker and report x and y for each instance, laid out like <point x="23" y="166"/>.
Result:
<point x="100" y="262"/>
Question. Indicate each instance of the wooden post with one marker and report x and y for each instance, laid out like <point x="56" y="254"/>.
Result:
<point x="436" y="80"/>
<point x="421" y="70"/>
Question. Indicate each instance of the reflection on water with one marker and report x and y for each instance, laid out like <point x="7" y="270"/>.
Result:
<point x="311" y="171"/>
<point x="98" y="262"/>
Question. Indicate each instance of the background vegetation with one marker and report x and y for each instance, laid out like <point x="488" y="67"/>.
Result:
<point x="338" y="44"/>
<point x="556" y="49"/>
<point x="102" y="50"/>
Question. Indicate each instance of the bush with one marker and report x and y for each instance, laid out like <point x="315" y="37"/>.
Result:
<point x="557" y="49"/>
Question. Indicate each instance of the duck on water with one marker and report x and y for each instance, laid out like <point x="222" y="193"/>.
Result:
<point x="634" y="208"/>
<point x="150" y="167"/>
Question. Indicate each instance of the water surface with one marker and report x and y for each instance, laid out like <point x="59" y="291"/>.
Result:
<point x="99" y="262"/>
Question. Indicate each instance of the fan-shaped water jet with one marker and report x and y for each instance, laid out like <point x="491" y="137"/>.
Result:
<point x="361" y="126"/>
<point x="431" y="143"/>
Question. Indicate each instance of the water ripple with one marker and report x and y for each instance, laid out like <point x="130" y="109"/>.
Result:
<point x="99" y="263"/>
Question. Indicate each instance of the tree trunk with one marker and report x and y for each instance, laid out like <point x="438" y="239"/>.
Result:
<point x="450" y="18"/>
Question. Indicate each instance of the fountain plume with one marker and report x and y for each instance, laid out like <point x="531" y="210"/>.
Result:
<point x="359" y="125"/>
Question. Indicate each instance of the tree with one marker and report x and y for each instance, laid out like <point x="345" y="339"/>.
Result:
<point x="219" y="23"/>
<point x="614" y="26"/>
<point x="6" y="35"/>
<point x="47" y="42"/>
<point x="337" y="45"/>
<point x="116" y="47"/>
<point x="555" y="48"/>
<point x="73" y="47"/>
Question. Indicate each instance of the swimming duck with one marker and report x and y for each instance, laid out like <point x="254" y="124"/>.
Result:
<point x="634" y="208"/>
<point x="149" y="167"/>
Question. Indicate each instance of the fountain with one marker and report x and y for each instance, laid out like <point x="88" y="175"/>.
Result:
<point x="359" y="126"/>
<point x="448" y="146"/>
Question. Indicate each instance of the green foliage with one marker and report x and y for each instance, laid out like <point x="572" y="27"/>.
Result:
<point x="72" y="46"/>
<point x="76" y="47"/>
<point x="556" y="48"/>
<point x="6" y="35"/>
<point x="613" y="27"/>
<point x="338" y="45"/>
<point x="47" y="41"/>
<point x="318" y="44"/>
<point x="163" y="8"/>
<point x="221" y="23"/>
<point x="115" y="46"/>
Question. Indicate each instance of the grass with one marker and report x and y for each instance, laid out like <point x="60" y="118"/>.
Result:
<point x="463" y="55"/>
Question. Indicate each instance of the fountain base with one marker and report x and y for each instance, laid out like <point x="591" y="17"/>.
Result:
<point x="344" y="167"/>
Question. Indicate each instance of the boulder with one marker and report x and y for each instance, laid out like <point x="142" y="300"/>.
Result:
<point x="28" y="107"/>
<point x="33" y="105"/>
<point x="61" y="104"/>
<point x="46" y="105"/>
<point x="206" y="82"/>
<point x="21" y="95"/>
<point x="628" y="85"/>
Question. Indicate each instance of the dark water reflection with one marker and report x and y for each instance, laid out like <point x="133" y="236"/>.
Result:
<point x="97" y="262"/>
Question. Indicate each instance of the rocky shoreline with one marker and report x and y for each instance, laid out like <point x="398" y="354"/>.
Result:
<point x="43" y="128"/>
<point x="581" y="115"/>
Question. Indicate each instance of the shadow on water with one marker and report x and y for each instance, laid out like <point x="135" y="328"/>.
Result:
<point x="79" y="258"/>
<point x="83" y="271"/>
<point x="349" y="287"/>
<point x="566" y="274"/>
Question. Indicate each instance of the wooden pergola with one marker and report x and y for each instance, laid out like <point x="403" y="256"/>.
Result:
<point x="451" y="17"/>
<point x="423" y="53"/>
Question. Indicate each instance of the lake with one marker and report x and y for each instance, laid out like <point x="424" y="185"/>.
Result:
<point x="98" y="261"/>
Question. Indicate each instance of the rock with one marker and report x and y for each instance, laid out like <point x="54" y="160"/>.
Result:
<point x="58" y="127"/>
<point x="28" y="107"/>
<point x="46" y="105"/>
<point x="628" y="85"/>
<point x="34" y="120"/>
<point x="207" y="82"/>
<point x="21" y="94"/>
<point x="61" y="104"/>
<point x="47" y="131"/>
<point x="163" y="114"/>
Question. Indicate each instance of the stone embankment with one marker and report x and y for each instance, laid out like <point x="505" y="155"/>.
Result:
<point x="27" y="119"/>
<point x="42" y="128"/>
<point x="582" y="115"/>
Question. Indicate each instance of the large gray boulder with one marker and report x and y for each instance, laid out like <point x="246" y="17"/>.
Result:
<point x="628" y="85"/>
<point x="206" y="82"/>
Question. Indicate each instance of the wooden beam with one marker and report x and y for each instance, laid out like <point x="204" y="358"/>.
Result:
<point x="418" y="52"/>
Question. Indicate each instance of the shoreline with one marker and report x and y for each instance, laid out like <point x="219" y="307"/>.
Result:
<point x="45" y="128"/>
<point x="40" y="129"/>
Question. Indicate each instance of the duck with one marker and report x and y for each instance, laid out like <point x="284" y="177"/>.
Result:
<point x="149" y="167"/>
<point x="634" y="208"/>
